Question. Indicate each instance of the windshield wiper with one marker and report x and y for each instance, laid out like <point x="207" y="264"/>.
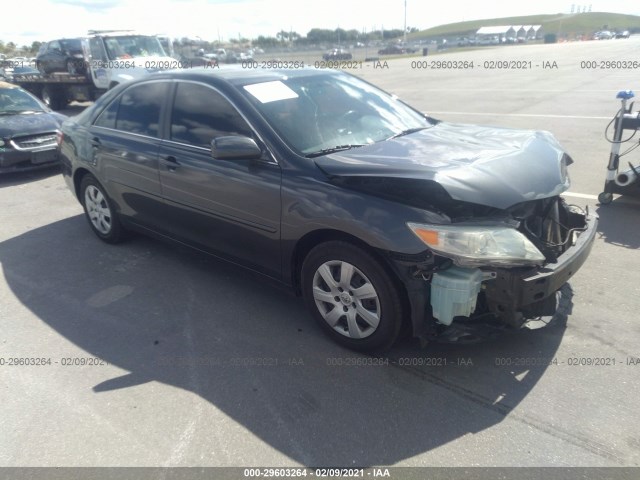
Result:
<point x="409" y="131"/>
<point x="337" y="148"/>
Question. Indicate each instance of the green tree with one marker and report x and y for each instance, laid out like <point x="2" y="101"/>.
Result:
<point x="266" y="42"/>
<point x="35" y="46"/>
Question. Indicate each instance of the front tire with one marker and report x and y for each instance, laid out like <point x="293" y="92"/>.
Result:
<point x="100" y="211"/>
<point x="352" y="297"/>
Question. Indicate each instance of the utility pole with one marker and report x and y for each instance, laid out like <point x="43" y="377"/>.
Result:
<point x="405" y="22"/>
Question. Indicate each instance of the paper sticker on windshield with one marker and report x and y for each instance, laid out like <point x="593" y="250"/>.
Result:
<point x="270" y="91"/>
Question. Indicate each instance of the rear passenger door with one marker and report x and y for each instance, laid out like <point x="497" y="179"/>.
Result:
<point x="125" y="139"/>
<point x="228" y="207"/>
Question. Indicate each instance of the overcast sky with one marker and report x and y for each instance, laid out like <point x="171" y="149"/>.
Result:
<point x="27" y="20"/>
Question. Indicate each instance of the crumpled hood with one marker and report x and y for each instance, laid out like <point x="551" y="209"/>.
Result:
<point x="28" y="123"/>
<point x="496" y="167"/>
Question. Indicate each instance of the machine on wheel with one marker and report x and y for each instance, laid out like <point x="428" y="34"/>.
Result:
<point x="626" y="182"/>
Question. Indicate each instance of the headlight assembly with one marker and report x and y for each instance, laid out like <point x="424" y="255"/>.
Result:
<point x="479" y="245"/>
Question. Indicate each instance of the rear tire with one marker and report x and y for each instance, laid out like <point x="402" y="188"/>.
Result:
<point x="53" y="98"/>
<point x="100" y="211"/>
<point x="352" y="297"/>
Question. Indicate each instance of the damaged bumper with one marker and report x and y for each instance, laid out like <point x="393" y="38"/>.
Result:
<point x="516" y="295"/>
<point x="471" y="304"/>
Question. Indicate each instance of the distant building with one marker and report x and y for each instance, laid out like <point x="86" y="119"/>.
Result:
<point x="504" y="33"/>
<point x="489" y="34"/>
<point x="536" y="31"/>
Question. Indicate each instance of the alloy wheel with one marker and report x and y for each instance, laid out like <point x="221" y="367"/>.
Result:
<point x="346" y="299"/>
<point x="98" y="209"/>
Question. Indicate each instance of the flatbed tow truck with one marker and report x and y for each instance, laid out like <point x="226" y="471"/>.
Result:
<point x="111" y="57"/>
<point x="57" y="90"/>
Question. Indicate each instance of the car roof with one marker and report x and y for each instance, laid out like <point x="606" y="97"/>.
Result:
<point x="119" y="33"/>
<point x="237" y="75"/>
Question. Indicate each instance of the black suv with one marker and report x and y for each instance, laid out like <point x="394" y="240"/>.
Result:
<point x="63" y="55"/>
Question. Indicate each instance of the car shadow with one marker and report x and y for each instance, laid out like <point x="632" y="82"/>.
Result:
<point x="618" y="223"/>
<point x="11" y="179"/>
<point x="171" y="315"/>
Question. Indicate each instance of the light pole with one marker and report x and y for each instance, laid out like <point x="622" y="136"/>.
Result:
<point x="405" y="22"/>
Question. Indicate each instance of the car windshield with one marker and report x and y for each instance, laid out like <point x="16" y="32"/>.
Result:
<point x="130" y="46"/>
<point x="318" y="114"/>
<point x="14" y="100"/>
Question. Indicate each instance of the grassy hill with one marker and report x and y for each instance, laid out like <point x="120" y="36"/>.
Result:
<point x="563" y="24"/>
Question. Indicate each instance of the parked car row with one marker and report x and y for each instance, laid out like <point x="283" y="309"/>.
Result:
<point x="222" y="55"/>
<point x="337" y="54"/>
<point x="392" y="50"/>
<point x="608" y="35"/>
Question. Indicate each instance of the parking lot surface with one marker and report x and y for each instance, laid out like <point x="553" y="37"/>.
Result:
<point x="153" y="355"/>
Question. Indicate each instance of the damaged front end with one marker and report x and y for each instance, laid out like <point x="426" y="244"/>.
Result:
<point x="500" y="240"/>
<point x="490" y="277"/>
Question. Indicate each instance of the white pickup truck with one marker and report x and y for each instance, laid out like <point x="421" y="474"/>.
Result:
<point x="110" y="57"/>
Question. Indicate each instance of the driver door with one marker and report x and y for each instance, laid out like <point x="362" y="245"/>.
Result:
<point x="100" y="74"/>
<point x="228" y="207"/>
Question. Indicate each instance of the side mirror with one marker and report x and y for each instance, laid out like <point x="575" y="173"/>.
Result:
<point x="235" y="148"/>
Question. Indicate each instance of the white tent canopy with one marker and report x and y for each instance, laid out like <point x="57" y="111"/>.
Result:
<point x="510" y="30"/>
<point x="494" y="30"/>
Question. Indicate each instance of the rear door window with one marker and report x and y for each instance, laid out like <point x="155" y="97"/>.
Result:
<point x="137" y="110"/>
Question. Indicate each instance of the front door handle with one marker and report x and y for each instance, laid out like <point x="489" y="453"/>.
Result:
<point x="95" y="142"/>
<point x="171" y="163"/>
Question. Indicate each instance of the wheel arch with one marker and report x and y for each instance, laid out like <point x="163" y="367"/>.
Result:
<point x="310" y="240"/>
<point x="78" y="175"/>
